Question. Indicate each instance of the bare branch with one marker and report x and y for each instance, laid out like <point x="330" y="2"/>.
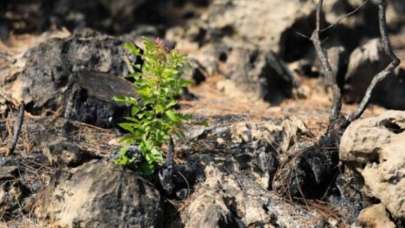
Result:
<point x="387" y="71"/>
<point x="327" y="68"/>
<point x="341" y="18"/>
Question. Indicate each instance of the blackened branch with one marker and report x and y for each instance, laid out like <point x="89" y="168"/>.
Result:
<point x="387" y="71"/>
<point x="166" y="172"/>
<point x="17" y="129"/>
<point x="170" y="156"/>
<point x="341" y="18"/>
<point x="327" y="68"/>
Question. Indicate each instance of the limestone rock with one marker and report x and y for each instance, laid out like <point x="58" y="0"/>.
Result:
<point x="375" y="216"/>
<point x="272" y="30"/>
<point x="364" y="138"/>
<point x="376" y="145"/>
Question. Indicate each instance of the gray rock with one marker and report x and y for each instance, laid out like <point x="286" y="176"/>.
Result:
<point x="237" y="161"/>
<point x="93" y="101"/>
<point x="211" y="56"/>
<point x="80" y="74"/>
<point x="230" y="40"/>
<point x="365" y="62"/>
<point x="195" y="72"/>
<point x="338" y="56"/>
<point x="259" y="72"/>
<point x="226" y="199"/>
<point x="276" y="29"/>
<point x="100" y="194"/>
<point x="240" y="146"/>
<point x="280" y="26"/>
<point x="106" y="15"/>
<point x="338" y="8"/>
<point x="396" y="14"/>
<point x="364" y="20"/>
<point x="271" y="31"/>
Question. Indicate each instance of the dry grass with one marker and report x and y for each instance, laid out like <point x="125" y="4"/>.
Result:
<point x="313" y="110"/>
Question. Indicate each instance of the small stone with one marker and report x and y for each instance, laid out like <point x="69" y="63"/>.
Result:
<point x="375" y="216"/>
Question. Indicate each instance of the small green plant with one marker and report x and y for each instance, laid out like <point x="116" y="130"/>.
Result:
<point x="153" y="118"/>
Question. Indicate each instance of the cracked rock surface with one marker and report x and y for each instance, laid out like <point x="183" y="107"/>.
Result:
<point x="100" y="194"/>
<point x="376" y="147"/>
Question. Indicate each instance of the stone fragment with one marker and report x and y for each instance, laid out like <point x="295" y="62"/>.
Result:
<point x="375" y="216"/>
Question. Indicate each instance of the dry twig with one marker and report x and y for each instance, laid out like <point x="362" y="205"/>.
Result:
<point x="341" y="18"/>
<point x="387" y="71"/>
<point x="331" y="79"/>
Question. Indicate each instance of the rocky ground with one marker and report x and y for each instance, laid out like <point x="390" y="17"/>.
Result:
<point x="257" y="82"/>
